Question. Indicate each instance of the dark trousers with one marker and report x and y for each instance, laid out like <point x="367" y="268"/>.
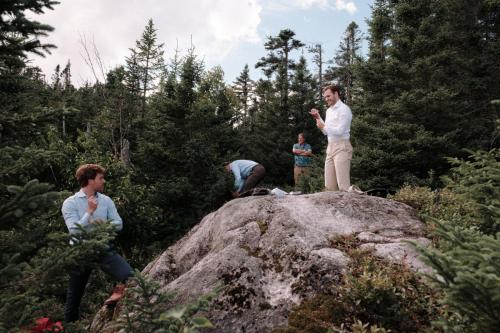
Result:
<point x="254" y="178"/>
<point x="111" y="263"/>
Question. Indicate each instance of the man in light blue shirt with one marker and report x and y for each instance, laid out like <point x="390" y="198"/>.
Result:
<point x="85" y="209"/>
<point x="247" y="174"/>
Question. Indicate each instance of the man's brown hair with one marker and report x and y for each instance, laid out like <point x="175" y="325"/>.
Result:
<point x="88" y="171"/>
<point x="333" y="88"/>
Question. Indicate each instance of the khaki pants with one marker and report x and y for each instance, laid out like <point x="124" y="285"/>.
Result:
<point x="298" y="171"/>
<point x="338" y="165"/>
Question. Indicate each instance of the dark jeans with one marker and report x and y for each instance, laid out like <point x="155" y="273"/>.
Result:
<point x="111" y="263"/>
<point x="254" y="178"/>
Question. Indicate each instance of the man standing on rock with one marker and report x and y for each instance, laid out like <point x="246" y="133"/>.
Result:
<point x="85" y="209"/>
<point x="247" y="174"/>
<point x="303" y="153"/>
<point x="336" y="127"/>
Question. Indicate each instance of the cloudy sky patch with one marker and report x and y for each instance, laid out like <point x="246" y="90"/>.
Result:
<point x="229" y="33"/>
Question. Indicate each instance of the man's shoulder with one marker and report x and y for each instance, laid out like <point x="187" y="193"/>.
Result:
<point x="344" y="106"/>
<point x="296" y="145"/>
<point x="104" y="197"/>
<point x="71" y="197"/>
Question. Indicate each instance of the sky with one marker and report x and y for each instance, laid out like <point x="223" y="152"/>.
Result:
<point x="229" y="33"/>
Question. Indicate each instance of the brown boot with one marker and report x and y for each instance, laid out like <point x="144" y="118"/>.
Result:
<point x="117" y="294"/>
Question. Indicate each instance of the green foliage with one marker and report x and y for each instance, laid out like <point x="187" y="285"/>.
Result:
<point x="423" y="93"/>
<point x="145" y="309"/>
<point x="19" y="35"/>
<point x="464" y="222"/>
<point x="25" y="201"/>
<point x="373" y="296"/>
<point x="478" y="181"/>
<point x="441" y="204"/>
<point x="426" y="90"/>
<point x="313" y="181"/>
<point x="145" y="65"/>
<point x="346" y="60"/>
<point x="35" y="254"/>
<point x="468" y="271"/>
<point x="359" y="327"/>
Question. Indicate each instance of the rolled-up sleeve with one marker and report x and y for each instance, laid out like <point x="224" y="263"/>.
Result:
<point x="71" y="217"/>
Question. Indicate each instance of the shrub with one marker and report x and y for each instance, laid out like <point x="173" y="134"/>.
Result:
<point x="477" y="180"/>
<point x="146" y="310"/>
<point x="373" y="296"/>
<point x="468" y="271"/>
<point x="440" y="204"/>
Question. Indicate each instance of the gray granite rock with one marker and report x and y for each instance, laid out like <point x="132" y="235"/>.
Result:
<point x="273" y="252"/>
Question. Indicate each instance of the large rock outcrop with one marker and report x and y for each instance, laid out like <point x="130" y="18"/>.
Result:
<point x="273" y="252"/>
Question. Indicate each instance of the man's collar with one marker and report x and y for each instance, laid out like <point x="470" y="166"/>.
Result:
<point x="81" y="194"/>
<point x="337" y="104"/>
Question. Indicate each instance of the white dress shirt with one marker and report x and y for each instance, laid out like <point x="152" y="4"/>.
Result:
<point x="338" y="122"/>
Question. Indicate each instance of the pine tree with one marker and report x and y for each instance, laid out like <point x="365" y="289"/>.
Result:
<point x="468" y="271"/>
<point x="146" y="310"/>
<point x="19" y="35"/>
<point x="279" y="62"/>
<point x="346" y="60"/>
<point x="146" y="64"/>
<point x="243" y="87"/>
<point x="302" y="100"/>
<point x="317" y="50"/>
<point x="476" y="179"/>
<point x="418" y="105"/>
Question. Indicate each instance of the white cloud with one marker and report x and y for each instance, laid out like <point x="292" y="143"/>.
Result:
<point x="311" y="3"/>
<point x="284" y="5"/>
<point x="349" y="6"/>
<point x="216" y="26"/>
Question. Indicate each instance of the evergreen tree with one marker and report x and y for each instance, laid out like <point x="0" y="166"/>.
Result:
<point x="346" y="60"/>
<point x="317" y="50"/>
<point x="19" y="35"/>
<point x="469" y="274"/>
<point x="302" y="100"/>
<point x="243" y="87"/>
<point x="422" y="109"/>
<point x="279" y="62"/>
<point x="146" y="63"/>
<point x="476" y="179"/>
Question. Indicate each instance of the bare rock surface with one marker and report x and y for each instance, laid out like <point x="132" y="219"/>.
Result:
<point x="271" y="253"/>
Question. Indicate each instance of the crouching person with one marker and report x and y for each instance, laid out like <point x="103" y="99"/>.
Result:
<point x="85" y="209"/>
<point x="247" y="175"/>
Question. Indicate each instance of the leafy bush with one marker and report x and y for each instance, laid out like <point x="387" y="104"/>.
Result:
<point x="440" y="204"/>
<point x="373" y="296"/>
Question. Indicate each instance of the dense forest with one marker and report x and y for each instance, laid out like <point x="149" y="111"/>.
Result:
<point x="425" y="102"/>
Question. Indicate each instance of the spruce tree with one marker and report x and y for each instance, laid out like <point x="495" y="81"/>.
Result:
<point x="347" y="58"/>
<point x="279" y="62"/>
<point x="421" y="97"/>
<point x="243" y="87"/>
<point x="19" y="35"/>
<point x="146" y="64"/>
